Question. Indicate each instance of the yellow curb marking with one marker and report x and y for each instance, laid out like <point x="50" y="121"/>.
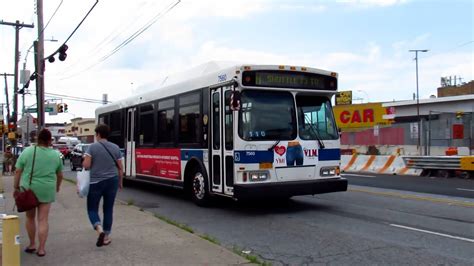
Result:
<point x="413" y="197"/>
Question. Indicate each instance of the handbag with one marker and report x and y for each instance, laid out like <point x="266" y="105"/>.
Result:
<point x="83" y="183"/>
<point x="25" y="199"/>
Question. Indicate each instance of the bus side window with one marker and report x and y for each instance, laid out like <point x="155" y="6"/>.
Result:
<point x="216" y="143"/>
<point x="229" y="134"/>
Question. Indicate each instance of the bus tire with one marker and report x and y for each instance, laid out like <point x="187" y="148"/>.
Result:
<point x="199" y="187"/>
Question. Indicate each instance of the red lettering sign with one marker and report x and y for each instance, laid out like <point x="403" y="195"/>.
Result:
<point x="368" y="115"/>
<point x="159" y="162"/>
<point x="356" y="117"/>
<point x="345" y="117"/>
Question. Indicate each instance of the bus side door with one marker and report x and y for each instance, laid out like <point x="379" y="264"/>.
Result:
<point x="130" y="169"/>
<point x="222" y="141"/>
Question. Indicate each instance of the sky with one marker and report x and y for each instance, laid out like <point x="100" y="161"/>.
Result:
<point x="366" y="42"/>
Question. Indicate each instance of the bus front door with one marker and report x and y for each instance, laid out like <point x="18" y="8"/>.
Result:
<point x="130" y="169"/>
<point x="222" y="142"/>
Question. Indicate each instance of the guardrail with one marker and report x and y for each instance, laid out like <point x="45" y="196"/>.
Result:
<point x="444" y="165"/>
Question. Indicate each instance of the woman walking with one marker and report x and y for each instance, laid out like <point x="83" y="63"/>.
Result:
<point x="104" y="160"/>
<point x="8" y="160"/>
<point x="45" y="167"/>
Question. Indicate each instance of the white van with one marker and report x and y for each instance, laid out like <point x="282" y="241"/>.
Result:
<point x="69" y="141"/>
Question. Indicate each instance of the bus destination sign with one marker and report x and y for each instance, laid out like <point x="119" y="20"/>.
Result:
<point x="288" y="79"/>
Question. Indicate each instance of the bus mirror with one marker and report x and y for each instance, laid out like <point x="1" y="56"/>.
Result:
<point x="235" y="101"/>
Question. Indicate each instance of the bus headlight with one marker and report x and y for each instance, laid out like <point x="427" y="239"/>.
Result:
<point x="259" y="175"/>
<point x="329" y="171"/>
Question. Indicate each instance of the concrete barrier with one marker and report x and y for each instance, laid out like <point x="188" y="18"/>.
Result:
<point x="378" y="164"/>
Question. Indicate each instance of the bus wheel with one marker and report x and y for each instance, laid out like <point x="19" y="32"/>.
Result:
<point x="199" y="189"/>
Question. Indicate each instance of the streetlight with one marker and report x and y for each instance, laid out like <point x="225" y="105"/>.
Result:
<point x="366" y="94"/>
<point x="418" y="94"/>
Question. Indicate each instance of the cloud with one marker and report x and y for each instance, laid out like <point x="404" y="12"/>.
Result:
<point x="373" y="3"/>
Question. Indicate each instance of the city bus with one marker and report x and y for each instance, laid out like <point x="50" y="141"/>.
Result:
<point x="246" y="131"/>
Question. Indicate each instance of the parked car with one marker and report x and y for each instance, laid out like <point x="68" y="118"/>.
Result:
<point x="63" y="148"/>
<point x="61" y="155"/>
<point x="77" y="156"/>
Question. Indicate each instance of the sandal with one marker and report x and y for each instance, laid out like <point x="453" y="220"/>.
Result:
<point x="107" y="242"/>
<point x="41" y="254"/>
<point x="30" y="250"/>
<point x="100" y="240"/>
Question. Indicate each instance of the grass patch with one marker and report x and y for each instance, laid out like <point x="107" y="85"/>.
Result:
<point x="210" y="239"/>
<point x="251" y="258"/>
<point x="130" y="202"/>
<point x="70" y="180"/>
<point x="182" y="226"/>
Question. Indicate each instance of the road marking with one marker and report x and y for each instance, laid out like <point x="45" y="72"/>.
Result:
<point x="434" y="233"/>
<point x="358" y="175"/>
<point x="465" y="189"/>
<point x="414" y="197"/>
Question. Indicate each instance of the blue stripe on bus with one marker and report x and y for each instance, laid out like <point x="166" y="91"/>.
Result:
<point x="329" y="154"/>
<point x="187" y="154"/>
<point x="253" y="156"/>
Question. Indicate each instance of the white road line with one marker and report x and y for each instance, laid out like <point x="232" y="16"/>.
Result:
<point x="434" y="233"/>
<point x="465" y="189"/>
<point x="358" y="175"/>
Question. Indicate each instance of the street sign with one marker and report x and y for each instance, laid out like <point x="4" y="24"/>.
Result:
<point x="47" y="109"/>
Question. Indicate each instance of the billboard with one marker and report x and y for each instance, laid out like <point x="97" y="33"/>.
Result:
<point x="344" y="97"/>
<point x="361" y="115"/>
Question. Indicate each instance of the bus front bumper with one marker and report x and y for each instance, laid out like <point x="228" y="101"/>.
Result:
<point x="288" y="189"/>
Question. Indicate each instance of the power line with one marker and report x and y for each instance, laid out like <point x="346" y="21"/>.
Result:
<point x="128" y="40"/>
<point x="74" y="98"/>
<point x="52" y="16"/>
<point x="120" y="29"/>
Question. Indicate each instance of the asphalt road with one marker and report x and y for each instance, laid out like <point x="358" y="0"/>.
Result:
<point x="360" y="227"/>
<point x="443" y="186"/>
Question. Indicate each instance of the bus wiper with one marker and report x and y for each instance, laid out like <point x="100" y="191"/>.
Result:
<point x="274" y="145"/>
<point x="316" y="134"/>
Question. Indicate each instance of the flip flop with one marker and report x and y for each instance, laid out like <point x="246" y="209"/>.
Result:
<point x="30" y="250"/>
<point x="41" y="255"/>
<point x="107" y="242"/>
<point x="100" y="240"/>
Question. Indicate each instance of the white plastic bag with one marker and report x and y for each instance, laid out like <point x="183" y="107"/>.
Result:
<point x="83" y="181"/>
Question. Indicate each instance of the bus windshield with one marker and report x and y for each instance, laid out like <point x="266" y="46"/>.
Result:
<point x="316" y="120"/>
<point x="267" y="115"/>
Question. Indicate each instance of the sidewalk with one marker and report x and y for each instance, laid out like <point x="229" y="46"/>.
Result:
<point x="138" y="238"/>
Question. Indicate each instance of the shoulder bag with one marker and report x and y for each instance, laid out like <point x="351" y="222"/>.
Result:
<point x="25" y="199"/>
<point x="115" y="161"/>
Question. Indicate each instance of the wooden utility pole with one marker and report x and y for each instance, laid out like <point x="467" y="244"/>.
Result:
<point x="18" y="26"/>
<point x="40" y="66"/>
<point x="6" y="96"/>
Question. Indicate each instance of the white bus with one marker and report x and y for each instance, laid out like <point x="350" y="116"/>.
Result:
<point x="243" y="132"/>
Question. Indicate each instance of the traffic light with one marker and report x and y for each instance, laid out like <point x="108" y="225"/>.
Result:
<point x="62" y="52"/>
<point x="65" y="107"/>
<point x="60" y="108"/>
<point x="459" y="114"/>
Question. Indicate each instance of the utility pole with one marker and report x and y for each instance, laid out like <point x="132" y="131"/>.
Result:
<point x="418" y="98"/>
<point x="18" y="26"/>
<point x="40" y="66"/>
<point x="6" y="96"/>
